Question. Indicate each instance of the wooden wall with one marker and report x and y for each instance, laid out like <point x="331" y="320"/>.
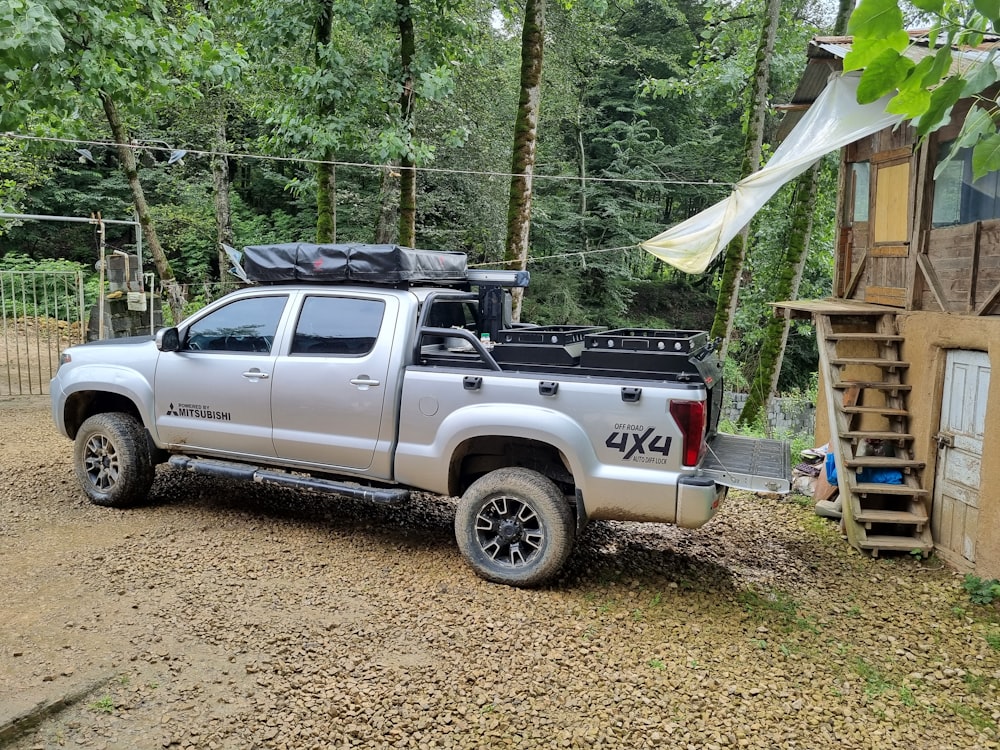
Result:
<point x="961" y="269"/>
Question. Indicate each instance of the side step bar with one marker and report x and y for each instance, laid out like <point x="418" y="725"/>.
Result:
<point x="251" y="473"/>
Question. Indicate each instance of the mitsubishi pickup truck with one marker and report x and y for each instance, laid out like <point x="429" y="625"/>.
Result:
<point x="374" y="371"/>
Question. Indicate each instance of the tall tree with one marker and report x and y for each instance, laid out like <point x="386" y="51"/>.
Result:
<point x="112" y="57"/>
<point x="326" y="175"/>
<point x="407" y="99"/>
<point x="764" y="383"/>
<point x="737" y="249"/>
<point x="525" y="139"/>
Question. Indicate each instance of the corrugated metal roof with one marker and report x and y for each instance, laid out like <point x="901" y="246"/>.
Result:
<point x="826" y="54"/>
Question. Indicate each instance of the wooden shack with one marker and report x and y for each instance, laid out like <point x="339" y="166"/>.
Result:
<point x="908" y="340"/>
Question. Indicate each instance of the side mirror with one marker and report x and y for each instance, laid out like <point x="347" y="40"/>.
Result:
<point x="168" y="340"/>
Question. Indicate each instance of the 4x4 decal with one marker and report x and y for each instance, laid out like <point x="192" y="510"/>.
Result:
<point x="630" y="442"/>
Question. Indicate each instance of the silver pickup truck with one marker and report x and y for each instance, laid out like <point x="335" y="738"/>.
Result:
<point x="376" y="384"/>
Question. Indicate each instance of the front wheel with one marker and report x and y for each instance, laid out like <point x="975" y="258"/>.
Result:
<point x="112" y="461"/>
<point x="514" y="526"/>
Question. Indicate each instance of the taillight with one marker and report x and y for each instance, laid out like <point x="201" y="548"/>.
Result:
<point x="690" y="417"/>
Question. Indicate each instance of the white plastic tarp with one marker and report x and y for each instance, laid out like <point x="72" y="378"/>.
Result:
<point x="834" y="120"/>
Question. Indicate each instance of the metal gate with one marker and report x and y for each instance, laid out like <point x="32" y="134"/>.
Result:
<point x="41" y="313"/>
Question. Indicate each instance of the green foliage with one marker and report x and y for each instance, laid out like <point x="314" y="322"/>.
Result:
<point x="19" y="174"/>
<point x="76" y="51"/>
<point x="637" y="105"/>
<point x="981" y="591"/>
<point x="880" y="39"/>
<point x="104" y="705"/>
<point x="43" y="289"/>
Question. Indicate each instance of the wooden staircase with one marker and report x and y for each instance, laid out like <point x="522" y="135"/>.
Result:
<point x="869" y="430"/>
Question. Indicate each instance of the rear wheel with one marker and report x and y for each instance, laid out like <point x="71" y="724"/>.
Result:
<point x="112" y="461"/>
<point x="514" y="526"/>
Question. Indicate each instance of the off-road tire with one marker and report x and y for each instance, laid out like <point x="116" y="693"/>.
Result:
<point x="514" y="526"/>
<point x="111" y="459"/>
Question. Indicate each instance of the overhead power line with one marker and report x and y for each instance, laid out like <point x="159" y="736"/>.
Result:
<point x="574" y="254"/>
<point x="304" y="160"/>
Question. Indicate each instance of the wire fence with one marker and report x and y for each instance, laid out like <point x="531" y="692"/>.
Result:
<point x="41" y="313"/>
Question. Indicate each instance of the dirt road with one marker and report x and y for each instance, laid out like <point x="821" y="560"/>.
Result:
<point x="228" y="616"/>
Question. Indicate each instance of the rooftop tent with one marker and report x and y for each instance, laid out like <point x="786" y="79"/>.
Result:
<point x="834" y="120"/>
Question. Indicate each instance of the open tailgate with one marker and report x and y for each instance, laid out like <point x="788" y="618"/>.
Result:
<point x="746" y="463"/>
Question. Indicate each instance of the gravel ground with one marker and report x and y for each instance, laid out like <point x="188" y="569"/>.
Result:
<point x="229" y="616"/>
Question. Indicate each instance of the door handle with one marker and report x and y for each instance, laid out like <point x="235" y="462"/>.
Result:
<point x="945" y="440"/>
<point x="365" y="381"/>
<point x="255" y="374"/>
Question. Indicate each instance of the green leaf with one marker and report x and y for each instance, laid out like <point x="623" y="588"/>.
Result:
<point x="875" y="19"/>
<point x="931" y="6"/>
<point x="909" y="102"/>
<point x="884" y="74"/>
<point x="986" y="156"/>
<point x="863" y="51"/>
<point x="989" y="8"/>
<point x="978" y="124"/>
<point x="943" y="98"/>
<point x="940" y="66"/>
<point x="981" y="77"/>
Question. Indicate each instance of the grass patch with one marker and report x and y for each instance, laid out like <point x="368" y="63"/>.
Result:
<point x="778" y="608"/>
<point x="978" y="719"/>
<point x="993" y="639"/>
<point x="981" y="590"/>
<point x="876" y="683"/>
<point x="103" y="705"/>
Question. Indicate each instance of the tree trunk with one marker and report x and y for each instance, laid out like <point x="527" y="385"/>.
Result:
<point x="584" y="238"/>
<point x="175" y="295"/>
<point x="386" y="226"/>
<point x="407" y="173"/>
<point x="844" y="10"/>
<point x="326" y="178"/>
<point x="729" y="292"/>
<point x="223" y="214"/>
<point x="765" y="381"/>
<point x="326" y="200"/>
<point x="525" y="136"/>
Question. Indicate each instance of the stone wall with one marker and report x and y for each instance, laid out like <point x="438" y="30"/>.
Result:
<point x="784" y="415"/>
<point x="120" y="321"/>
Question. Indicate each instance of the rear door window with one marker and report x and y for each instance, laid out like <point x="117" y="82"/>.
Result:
<point x="337" y="326"/>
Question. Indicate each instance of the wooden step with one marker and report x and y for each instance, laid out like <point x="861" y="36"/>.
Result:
<point x="885" y="364"/>
<point x="870" y="516"/>
<point x="872" y="385"/>
<point x="863" y="336"/>
<point x="897" y="437"/>
<point x="882" y="462"/>
<point x="878" y="542"/>
<point x="889" y="411"/>
<point x="870" y="488"/>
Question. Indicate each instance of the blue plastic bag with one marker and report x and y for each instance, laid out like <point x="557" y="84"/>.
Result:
<point x="866" y="476"/>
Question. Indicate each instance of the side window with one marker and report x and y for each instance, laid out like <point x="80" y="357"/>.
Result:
<point x="958" y="199"/>
<point x="451" y="314"/>
<point x="247" y="325"/>
<point x="337" y="326"/>
<point x="860" y="181"/>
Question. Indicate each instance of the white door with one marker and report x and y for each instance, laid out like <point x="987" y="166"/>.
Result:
<point x="955" y="516"/>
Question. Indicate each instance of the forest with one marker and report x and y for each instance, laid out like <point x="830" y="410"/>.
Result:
<point x="556" y="134"/>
